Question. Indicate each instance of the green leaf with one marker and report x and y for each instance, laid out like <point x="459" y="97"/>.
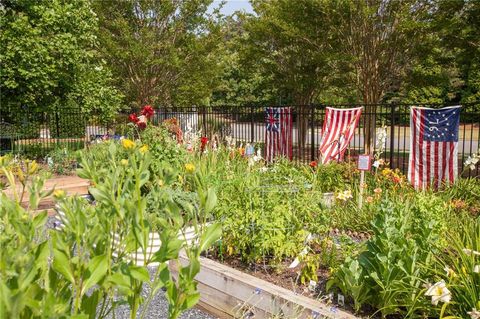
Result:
<point x="169" y="249"/>
<point x="139" y="273"/>
<point x="97" y="268"/>
<point x="61" y="264"/>
<point x="211" y="201"/>
<point x="211" y="235"/>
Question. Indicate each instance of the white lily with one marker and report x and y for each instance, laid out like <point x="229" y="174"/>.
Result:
<point x="474" y="314"/>
<point x="450" y="272"/>
<point x="439" y="292"/>
<point x="470" y="252"/>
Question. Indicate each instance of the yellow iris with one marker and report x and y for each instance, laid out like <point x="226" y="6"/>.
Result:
<point x="59" y="193"/>
<point x="128" y="144"/>
<point x="144" y="148"/>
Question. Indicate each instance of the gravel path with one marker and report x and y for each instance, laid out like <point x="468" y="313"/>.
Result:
<point x="158" y="308"/>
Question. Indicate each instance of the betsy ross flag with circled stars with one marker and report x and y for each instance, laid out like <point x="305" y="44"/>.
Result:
<point x="433" y="146"/>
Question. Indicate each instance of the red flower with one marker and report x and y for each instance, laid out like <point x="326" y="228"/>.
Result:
<point x="141" y="125"/>
<point x="148" y="111"/>
<point x="133" y="118"/>
<point x="313" y="164"/>
<point x="203" y="141"/>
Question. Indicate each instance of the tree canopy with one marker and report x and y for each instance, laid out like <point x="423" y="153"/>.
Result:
<point x="50" y="60"/>
<point x="103" y="55"/>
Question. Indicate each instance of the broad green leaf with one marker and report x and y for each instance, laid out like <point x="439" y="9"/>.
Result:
<point x="211" y="234"/>
<point x="139" y="273"/>
<point x="97" y="268"/>
<point x="62" y="265"/>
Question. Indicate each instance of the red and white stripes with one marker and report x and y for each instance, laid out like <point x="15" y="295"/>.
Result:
<point x="278" y="133"/>
<point x="338" y="129"/>
<point x="431" y="163"/>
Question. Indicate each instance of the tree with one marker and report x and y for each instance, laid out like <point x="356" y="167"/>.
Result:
<point x="380" y="38"/>
<point x="294" y="45"/>
<point x="49" y="58"/>
<point x="161" y="51"/>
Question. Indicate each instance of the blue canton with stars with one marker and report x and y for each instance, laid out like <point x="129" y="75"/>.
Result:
<point x="441" y="125"/>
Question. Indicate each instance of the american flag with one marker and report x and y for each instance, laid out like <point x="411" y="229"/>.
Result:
<point x="338" y="129"/>
<point x="278" y="132"/>
<point x="433" y="146"/>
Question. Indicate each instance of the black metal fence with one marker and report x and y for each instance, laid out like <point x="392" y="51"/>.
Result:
<point x="36" y="134"/>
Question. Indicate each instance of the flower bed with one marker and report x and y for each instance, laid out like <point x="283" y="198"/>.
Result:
<point x="387" y="257"/>
<point x="402" y="253"/>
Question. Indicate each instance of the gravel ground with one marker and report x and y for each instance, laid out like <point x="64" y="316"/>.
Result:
<point x="158" y="308"/>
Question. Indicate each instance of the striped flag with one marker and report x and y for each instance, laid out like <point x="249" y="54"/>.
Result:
<point x="433" y="146"/>
<point x="338" y="129"/>
<point x="278" y="132"/>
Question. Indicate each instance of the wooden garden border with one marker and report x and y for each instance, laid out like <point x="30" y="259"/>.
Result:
<point x="227" y="293"/>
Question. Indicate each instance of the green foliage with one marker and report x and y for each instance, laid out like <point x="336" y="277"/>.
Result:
<point x="388" y="274"/>
<point x="100" y="254"/>
<point x="160" y="52"/>
<point x="49" y="59"/>
<point x="61" y="161"/>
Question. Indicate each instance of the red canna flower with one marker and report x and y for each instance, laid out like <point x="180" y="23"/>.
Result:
<point x="148" y="111"/>
<point x="203" y="141"/>
<point x="142" y="125"/>
<point x="313" y="164"/>
<point x="133" y="118"/>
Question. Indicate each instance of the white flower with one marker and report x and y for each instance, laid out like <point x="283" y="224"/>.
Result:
<point x="472" y="161"/>
<point x="312" y="285"/>
<point x="263" y="169"/>
<point x="381" y="137"/>
<point x="376" y="164"/>
<point x="142" y="119"/>
<point x="474" y="314"/>
<point x="295" y="263"/>
<point x="470" y="252"/>
<point x="439" y="292"/>
<point x="476" y="269"/>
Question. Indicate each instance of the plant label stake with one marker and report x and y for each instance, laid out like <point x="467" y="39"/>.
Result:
<point x="364" y="164"/>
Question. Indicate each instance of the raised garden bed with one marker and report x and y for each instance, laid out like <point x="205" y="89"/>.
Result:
<point x="228" y="293"/>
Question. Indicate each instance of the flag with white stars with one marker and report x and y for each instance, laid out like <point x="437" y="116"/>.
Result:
<point x="433" y="146"/>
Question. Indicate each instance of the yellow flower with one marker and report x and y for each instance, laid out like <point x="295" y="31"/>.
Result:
<point x="144" y="148"/>
<point x="124" y="162"/>
<point x="32" y="167"/>
<point x="386" y="172"/>
<point x="128" y="144"/>
<point x="59" y="193"/>
<point x="190" y="168"/>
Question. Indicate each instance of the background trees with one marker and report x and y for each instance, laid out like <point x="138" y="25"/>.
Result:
<point x="161" y="52"/>
<point x="49" y="59"/>
<point x="108" y="54"/>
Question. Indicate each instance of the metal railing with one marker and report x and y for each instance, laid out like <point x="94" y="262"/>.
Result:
<point x="37" y="133"/>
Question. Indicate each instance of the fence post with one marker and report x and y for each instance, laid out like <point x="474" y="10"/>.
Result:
<point x="312" y="131"/>
<point x="392" y="133"/>
<point x="56" y="122"/>
<point x="252" y="125"/>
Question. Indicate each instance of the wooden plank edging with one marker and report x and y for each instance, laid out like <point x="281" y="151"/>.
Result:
<point x="226" y="292"/>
